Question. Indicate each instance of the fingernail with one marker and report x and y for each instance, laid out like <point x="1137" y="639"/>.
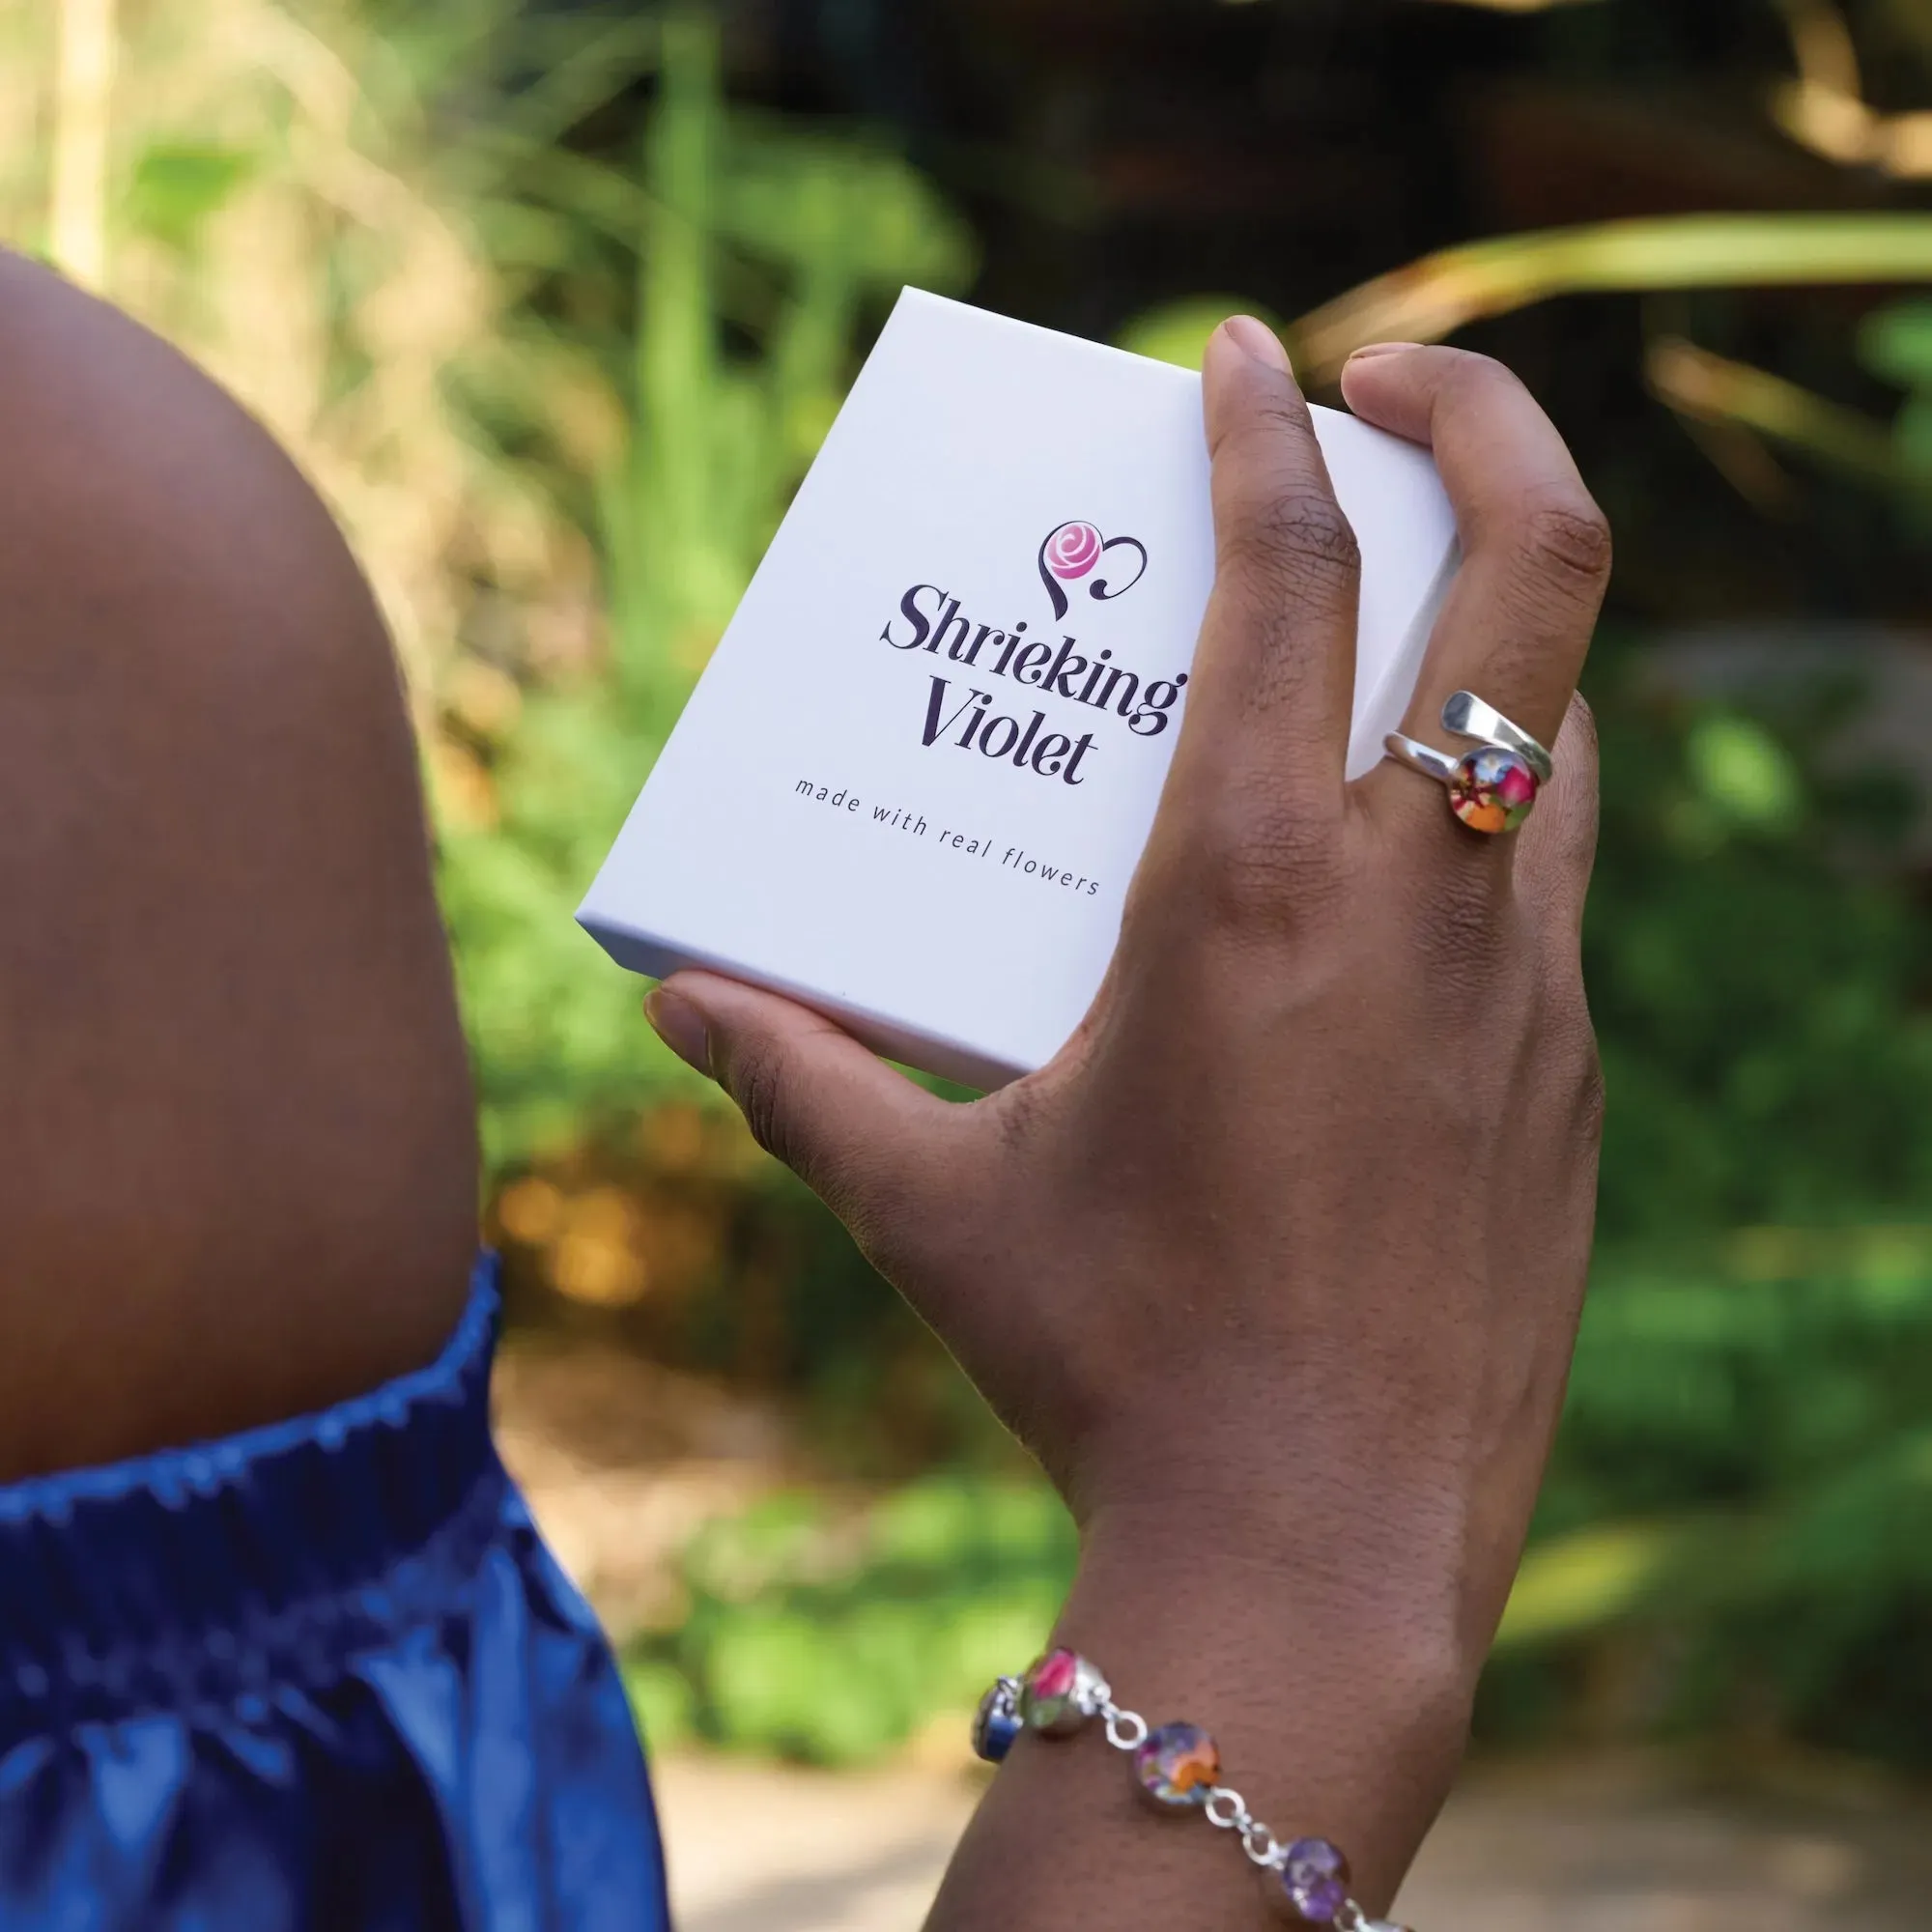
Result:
<point x="1380" y="348"/>
<point x="681" y="1027"/>
<point x="1257" y="339"/>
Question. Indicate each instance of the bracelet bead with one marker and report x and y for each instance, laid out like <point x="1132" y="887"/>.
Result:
<point x="1315" y="1876"/>
<point x="1061" y="1692"/>
<point x="998" y="1725"/>
<point x="1178" y="1765"/>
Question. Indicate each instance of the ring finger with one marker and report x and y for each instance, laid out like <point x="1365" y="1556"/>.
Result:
<point x="1518" y="621"/>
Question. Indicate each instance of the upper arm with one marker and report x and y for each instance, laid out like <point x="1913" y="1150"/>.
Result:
<point x="236" y="1156"/>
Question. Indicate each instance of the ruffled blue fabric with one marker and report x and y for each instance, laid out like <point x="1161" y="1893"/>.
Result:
<point x="317" y="1678"/>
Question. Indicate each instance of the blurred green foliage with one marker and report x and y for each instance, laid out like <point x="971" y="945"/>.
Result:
<point x="833" y="1635"/>
<point x="1758" y="1430"/>
<point x="1757" y="971"/>
<point x="1896" y="344"/>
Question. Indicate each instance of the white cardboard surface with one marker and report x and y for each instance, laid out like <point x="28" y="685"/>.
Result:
<point x="957" y="909"/>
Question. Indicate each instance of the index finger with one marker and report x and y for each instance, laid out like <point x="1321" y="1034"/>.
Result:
<point x="1517" y="621"/>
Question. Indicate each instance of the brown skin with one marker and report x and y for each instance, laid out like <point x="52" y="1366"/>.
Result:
<point x="240" y="1162"/>
<point x="1277" y="1267"/>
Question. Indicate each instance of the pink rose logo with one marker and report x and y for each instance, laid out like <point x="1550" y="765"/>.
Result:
<point x="1074" y="551"/>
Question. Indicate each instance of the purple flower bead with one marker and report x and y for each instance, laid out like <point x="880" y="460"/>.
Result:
<point x="1315" y="1875"/>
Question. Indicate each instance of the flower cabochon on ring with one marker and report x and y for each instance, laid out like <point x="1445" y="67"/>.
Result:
<point x="1073" y="550"/>
<point x="1493" y="789"/>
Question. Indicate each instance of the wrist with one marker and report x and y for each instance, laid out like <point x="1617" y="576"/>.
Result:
<point x="1351" y="1556"/>
<point x="1338" y="1695"/>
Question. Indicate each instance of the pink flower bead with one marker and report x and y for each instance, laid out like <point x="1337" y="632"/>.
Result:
<point x="1060" y="1692"/>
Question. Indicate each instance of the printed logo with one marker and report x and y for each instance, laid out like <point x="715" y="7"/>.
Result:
<point x="1075" y="551"/>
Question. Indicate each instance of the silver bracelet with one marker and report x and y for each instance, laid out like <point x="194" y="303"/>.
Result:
<point x="1180" y="1769"/>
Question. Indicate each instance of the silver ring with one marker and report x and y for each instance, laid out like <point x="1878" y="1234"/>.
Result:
<point x="1469" y="716"/>
<point x="1493" y="788"/>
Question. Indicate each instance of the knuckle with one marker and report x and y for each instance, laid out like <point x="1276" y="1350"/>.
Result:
<point x="1249" y="892"/>
<point x="1291" y="545"/>
<point x="1592" y="1095"/>
<point x="1266" y="867"/>
<point x="1586" y="788"/>
<point x="760" y="1087"/>
<point x="1580" y="826"/>
<point x="1579" y="738"/>
<point x="1266" y="418"/>
<point x="1249" y="895"/>
<point x="1577" y="800"/>
<point x="1570" y="1049"/>
<point x="1473" y="385"/>
<point x="1253" y="439"/>
<point x="1563" y="542"/>
<point x="1475" y="371"/>
<point x="1558" y="851"/>
<point x="1465" y="932"/>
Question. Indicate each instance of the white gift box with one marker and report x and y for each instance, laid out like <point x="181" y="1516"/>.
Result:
<point x="913" y="784"/>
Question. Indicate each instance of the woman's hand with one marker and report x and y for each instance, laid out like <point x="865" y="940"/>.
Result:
<point x="1277" y="1266"/>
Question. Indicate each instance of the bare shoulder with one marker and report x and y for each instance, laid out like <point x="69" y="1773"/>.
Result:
<point x="238" y="1173"/>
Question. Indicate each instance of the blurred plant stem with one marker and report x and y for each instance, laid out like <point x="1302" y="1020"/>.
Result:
<point x="1712" y="389"/>
<point x="676" y="347"/>
<point x="1442" y="293"/>
<point x="1825" y="109"/>
<point x="1822" y="44"/>
<point x="83" y="113"/>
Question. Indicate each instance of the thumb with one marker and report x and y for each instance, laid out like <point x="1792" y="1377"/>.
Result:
<point x="860" y="1134"/>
